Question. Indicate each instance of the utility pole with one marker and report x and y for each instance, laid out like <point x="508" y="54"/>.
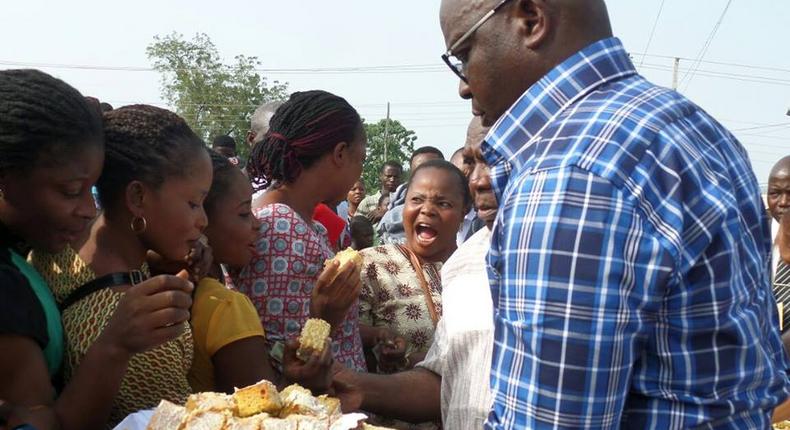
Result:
<point x="386" y="131"/>
<point x="675" y="73"/>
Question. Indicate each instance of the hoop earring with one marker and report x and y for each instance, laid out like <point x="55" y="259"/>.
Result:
<point x="135" y="225"/>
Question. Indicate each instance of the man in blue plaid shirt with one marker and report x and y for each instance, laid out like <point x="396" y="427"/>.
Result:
<point x="629" y="261"/>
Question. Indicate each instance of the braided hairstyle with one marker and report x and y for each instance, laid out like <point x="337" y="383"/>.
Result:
<point x="42" y="119"/>
<point x="307" y="126"/>
<point x="144" y="143"/>
<point x="223" y="175"/>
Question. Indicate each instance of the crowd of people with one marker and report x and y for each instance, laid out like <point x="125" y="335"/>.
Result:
<point x="597" y="254"/>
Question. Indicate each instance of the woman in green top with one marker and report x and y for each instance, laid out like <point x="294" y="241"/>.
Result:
<point x="51" y="154"/>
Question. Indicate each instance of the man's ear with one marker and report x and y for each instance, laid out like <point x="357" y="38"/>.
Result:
<point x="533" y="20"/>
<point x="136" y="194"/>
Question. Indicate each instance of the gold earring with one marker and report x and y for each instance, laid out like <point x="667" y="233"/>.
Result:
<point x="135" y="225"/>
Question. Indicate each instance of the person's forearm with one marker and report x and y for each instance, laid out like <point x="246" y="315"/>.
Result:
<point x="87" y="399"/>
<point x="409" y="396"/>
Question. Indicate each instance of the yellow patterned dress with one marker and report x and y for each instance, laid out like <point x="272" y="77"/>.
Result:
<point x="160" y="373"/>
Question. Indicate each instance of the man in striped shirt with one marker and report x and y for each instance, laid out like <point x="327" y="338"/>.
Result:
<point x="629" y="260"/>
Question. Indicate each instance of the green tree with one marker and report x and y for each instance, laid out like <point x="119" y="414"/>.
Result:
<point x="213" y="97"/>
<point x="399" y="143"/>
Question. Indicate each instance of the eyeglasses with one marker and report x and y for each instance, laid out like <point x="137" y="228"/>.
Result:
<point x="457" y="66"/>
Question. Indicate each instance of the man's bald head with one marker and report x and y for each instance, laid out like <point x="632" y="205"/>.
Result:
<point x="259" y="122"/>
<point x="476" y="131"/>
<point x="522" y="42"/>
<point x="778" y="195"/>
<point x="781" y="168"/>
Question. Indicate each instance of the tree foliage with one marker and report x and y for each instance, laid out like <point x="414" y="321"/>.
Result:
<point x="399" y="143"/>
<point x="213" y="97"/>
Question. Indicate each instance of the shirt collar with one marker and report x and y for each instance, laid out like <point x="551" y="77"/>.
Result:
<point x="598" y="63"/>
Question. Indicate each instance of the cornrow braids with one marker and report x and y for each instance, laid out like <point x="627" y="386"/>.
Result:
<point x="302" y="130"/>
<point x="42" y="119"/>
<point x="223" y="174"/>
<point x="449" y="167"/>
<point x="144" y="143"/>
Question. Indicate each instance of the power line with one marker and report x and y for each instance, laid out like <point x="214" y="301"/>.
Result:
<point x="705" y="47"/>
<point x="725" y="75"/>
<point x="400" y="68"/>
<point x="780" y="125"/>
<point x="652" y="31"/>
<point x="718" y="63"/>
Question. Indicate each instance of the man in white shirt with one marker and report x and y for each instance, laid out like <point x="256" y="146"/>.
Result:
<point x="778" y="196"/>
<point x="778" y="199"/>
<point x="454" y="377"/>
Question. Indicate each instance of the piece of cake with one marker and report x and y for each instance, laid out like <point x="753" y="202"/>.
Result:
<point x="254" y="422"/>
<point x="206" y="420"/>
<point x="345" y="256"/>
<point x="167" y="416"/>
<point x="209" y="401"/>
<point x="261" y="397"/>
<point x="295" y="422"/>
<point x="331" y="404"/>
<point x="298" y="400"/>
<point x="313" y="338"/>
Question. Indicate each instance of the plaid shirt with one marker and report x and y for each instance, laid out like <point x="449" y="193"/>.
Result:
<point x="629" y="264"/>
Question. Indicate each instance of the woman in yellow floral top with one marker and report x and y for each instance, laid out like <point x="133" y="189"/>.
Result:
<point x="401" y="299"/>
<point x="156" y="174"/>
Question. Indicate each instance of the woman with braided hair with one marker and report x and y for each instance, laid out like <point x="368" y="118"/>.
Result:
<point x="312" y="153"/>
<point x="157" y="173"/>
<point x="51" y="154"/>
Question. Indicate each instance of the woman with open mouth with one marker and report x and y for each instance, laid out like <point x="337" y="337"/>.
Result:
<point x="401" y="297"/>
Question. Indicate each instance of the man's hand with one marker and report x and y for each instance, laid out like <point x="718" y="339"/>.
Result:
<point x="343" y="387"/>
<point x="314" y="374"/>
<point x="391" y="350"/>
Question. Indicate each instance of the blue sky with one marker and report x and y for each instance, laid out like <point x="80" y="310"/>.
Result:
<point x="744" y="80"/>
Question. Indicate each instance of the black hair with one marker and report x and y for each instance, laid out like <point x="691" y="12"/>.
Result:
<point x="426" y="150"/>
<point x="391" y="163"/>
<point x="223" y="141"/>
<point x="220" y="182"/>
<point x="358" y="224"/>
<point x="457" y="151"/>
<point x="42" y="116"/>
<point x="447" y="167"/>
<point x="143" y="143"/>
<point x="105" y="107"/>
<point x="305" y="128"/>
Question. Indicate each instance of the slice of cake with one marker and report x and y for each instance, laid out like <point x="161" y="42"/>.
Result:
<point x="345" y="256"/>
<point x="313" y="338"/>
<point x="209" y="401"/>
<point x="331" y="404"/>
<point x="167" y="416"/>
<point x="261" y="397"/>
<point x="254" y="422"/>
<point x="206" y="420"/>
<point x="298" y="400"/>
